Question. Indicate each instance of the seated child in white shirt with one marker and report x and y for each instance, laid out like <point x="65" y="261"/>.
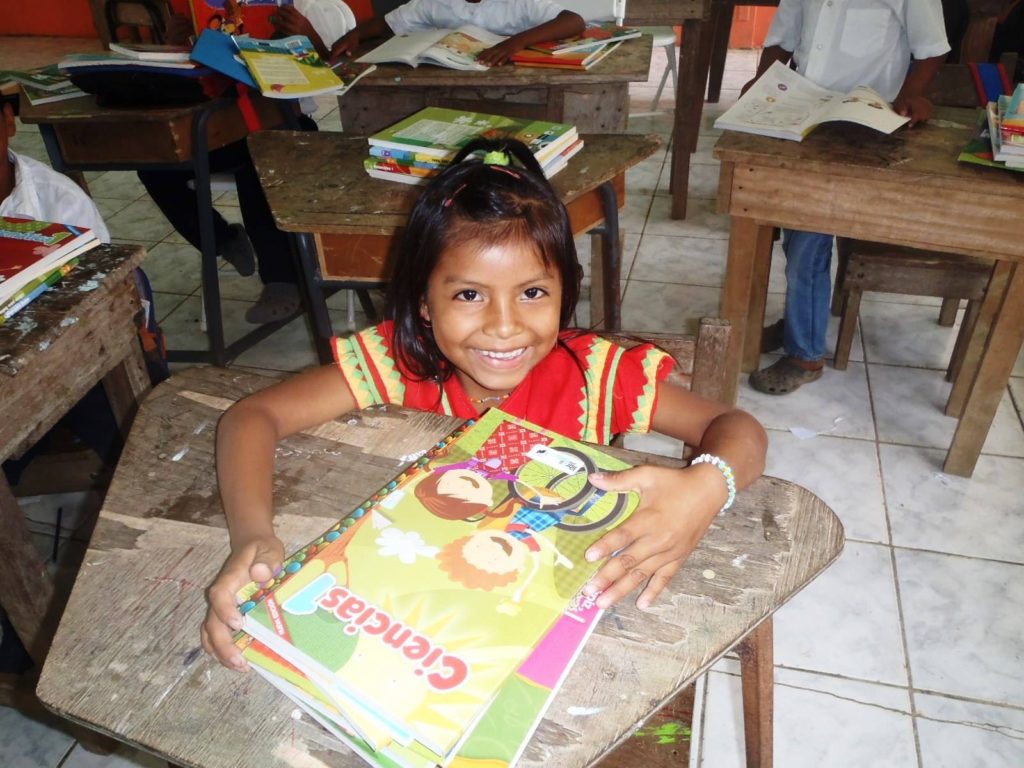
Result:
<point x="31" y="190"/>
<point x="526" y="22"/>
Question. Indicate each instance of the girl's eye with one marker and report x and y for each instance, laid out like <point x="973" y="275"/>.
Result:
<point x="467" y="295"/>
<point x="534" y="293"/>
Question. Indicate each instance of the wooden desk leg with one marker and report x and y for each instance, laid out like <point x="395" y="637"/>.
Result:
<point x="964" y="380"/>
<point x="750" y="247"/>
<point x="26" y="590"/>
<point x="694" y="59"/>
<point x="721" y="26"/>
<point x="611" y="258"/>
<point x="757" y="676"/>
<point x="997" y="360"/>
<point x="125" y="386"/>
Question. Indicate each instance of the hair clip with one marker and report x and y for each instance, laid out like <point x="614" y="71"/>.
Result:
<point x="496" y="157"/>
<point x="448" y="200"/>
<point x="509" y="171"/>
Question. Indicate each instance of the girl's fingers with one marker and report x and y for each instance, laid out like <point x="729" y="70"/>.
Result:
<point x="223" y="607"/>
<point x="218" y="641"/>
<point x="657" y="583"/>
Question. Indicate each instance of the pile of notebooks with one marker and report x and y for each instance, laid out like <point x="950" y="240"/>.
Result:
<point x="1000" y="139"/>
<point x="414" y="149"/>
<point x="41" y="85"/>
<point x="434" y="623"/>
<point x="34" y="256"/>
<point x="592" y="45"/>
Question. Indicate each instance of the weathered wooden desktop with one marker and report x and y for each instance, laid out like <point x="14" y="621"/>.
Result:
<point x="126" y="659"/>
<point x="81" y="333"/>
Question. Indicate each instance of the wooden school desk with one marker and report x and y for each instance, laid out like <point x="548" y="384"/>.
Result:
<point x="126" y="659"/>
<point x="80" y="333"/>
<point x="595" y="101"/>
<point x="348" y="223"/>
<point x="907" y="189"/>
<point x="697" y="18"/>
<point x="81" y="136"/>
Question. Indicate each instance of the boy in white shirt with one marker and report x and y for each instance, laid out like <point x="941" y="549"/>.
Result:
<point x="893" y="46"/>
<point x="31" y="190"/>
<point x="526" y="22"/>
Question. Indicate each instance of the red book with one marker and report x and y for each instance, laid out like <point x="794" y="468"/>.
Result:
<point x="581" y="60"/>
<point x="30" y="250"/>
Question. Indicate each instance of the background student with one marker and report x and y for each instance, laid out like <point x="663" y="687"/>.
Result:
<point x="483" y="294"/>
<point x="31" y="190"/>
<point x="895" y="48"/>
<point x="526" y="22"/>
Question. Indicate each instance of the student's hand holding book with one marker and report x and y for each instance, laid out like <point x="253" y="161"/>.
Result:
<point x="257" y="559"/>
<point x="656" y="540"/>
<point x="501" y="53"/>
<point x="288" y="21"/>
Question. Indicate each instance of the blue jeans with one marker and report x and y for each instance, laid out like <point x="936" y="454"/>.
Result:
<point x="808" y="290"/>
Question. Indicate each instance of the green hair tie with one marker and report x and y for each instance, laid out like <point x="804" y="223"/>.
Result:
<point x="496" y="157"/>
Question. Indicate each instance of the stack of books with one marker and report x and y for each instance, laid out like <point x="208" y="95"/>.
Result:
<point x="999" y="142"/>
<point x="592" y="45"/>
<point x="41" y="85"/>
<point x="415" y="149"/>
<point x="437" y="620"/>
<point x="34" y="256"/>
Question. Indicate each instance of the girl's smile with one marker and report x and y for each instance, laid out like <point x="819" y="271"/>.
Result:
<point x="494" y="310"/>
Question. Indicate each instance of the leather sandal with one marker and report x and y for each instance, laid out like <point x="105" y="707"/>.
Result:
<point x="783" y="376"/>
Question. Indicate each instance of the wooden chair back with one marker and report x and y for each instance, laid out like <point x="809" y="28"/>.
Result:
<point x="700" y="358"/>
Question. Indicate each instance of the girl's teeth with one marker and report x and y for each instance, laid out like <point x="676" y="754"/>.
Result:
<point x="502" y="355"/>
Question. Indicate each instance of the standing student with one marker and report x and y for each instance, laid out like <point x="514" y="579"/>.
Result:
<point x="526" y="22"/>
<point x="479" y="309"/>
<point x="895" y="48"/>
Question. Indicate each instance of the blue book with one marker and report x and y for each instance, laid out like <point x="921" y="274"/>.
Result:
<point x="219" y="52"/>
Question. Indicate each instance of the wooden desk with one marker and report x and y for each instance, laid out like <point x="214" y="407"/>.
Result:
<point x="907" y="189"/>
<point x="51" y="353"/>
<point x="126" y="660"/>
<point x="698" y="20"/>
<point x="81" y="136"/>
<point x="348" y="222"/>
<point x="595" y="101"/>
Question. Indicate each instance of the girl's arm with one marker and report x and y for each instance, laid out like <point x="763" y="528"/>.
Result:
<point x="247" y="436"/>
<point x="676" y="505"/>
<point x="348" y="44"/>
<point x="565" y="24"/>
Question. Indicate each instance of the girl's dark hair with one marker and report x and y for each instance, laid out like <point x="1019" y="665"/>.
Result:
<point x="476" y="201"/>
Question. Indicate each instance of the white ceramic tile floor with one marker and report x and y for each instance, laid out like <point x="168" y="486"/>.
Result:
<point x="907" y="651"/>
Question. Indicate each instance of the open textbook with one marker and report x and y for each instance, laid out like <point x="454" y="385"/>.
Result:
<point x="786" y="105"/>
<point x="452" y="48"/>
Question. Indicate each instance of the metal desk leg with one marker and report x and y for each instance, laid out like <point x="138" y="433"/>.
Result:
<point x="204" y="211"/>
<point x="313" y="295"/>
<point x="611" y="254"/>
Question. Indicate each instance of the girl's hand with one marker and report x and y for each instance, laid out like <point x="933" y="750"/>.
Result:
<point x="676" y="508"/>
<point x="257" y="560"/>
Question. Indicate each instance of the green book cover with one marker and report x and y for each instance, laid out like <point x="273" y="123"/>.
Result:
<point x="422" y="602"/>
<point x="440" y="133"/>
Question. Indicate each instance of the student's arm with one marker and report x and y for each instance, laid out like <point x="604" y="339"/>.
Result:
<point x="366" y="30"/>
<point x="565" y="24"/>
<point x="676" y="505"/>
<point x="769" y="56"/>
<point x="288" y="21"/>
<point x="911" y="100"/>
<point x="247" y="436"/>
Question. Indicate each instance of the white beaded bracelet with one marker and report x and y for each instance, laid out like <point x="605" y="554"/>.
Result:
<point x="726" y="470"/>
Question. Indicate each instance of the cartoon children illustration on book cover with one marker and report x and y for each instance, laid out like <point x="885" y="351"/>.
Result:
<point x="423" y="601"/>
